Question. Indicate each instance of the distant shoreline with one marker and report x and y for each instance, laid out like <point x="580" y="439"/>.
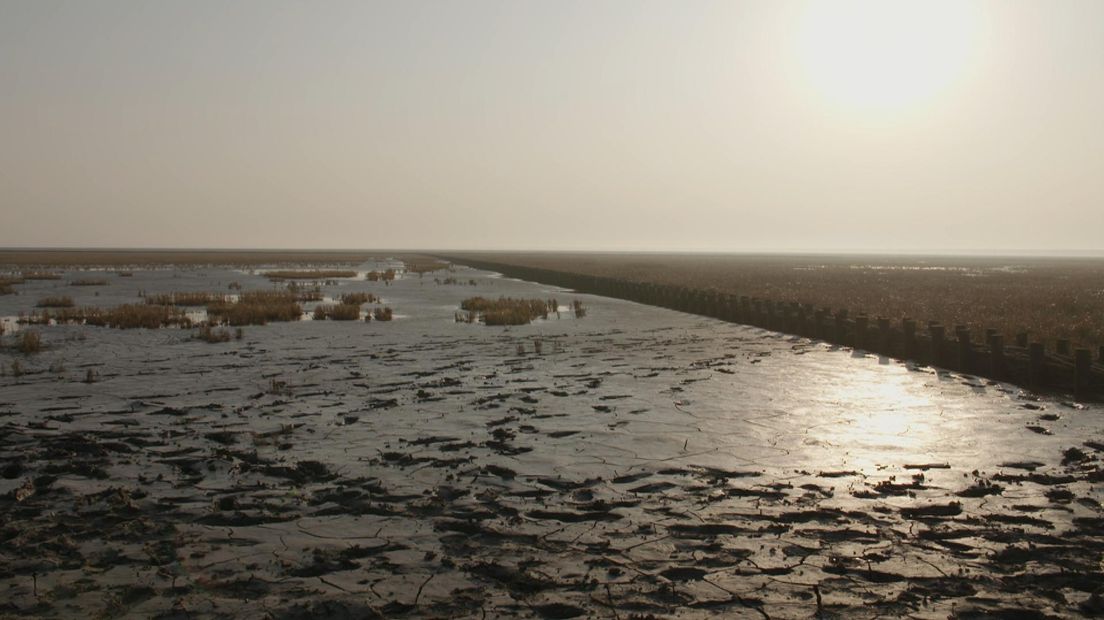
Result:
<point x="6" y="253"/>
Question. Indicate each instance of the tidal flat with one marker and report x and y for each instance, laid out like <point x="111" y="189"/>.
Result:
<point x="634" y="462"/>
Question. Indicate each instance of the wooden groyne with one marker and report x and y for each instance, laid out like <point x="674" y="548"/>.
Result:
<point x="1020" y="361"/>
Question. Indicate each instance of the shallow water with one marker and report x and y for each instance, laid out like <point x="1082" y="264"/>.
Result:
<point x="645" y="461"/>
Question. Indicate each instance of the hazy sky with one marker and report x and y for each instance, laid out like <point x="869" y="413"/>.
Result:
<point x="677" y="125"/>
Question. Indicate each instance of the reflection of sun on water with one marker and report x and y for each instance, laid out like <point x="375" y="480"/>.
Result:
<point x="884" y="415"/>
<point x="892" y="408"/>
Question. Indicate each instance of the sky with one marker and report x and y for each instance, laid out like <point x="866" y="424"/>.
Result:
<point x="681" y="125"/>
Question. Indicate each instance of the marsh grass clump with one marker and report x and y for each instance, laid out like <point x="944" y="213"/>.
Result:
<point x="55" y="302"/>
<point x="256" y="308"/>
<point x="303" y="293"/>
<point x="28" y="342"/>
<point x="132" y="316"/>
<point x="309" y="274"/>
<point x="453" y="280"/>
<point x="184" y="299"/>
<point x="358" y="298"/>
<point x="126" y="316"/>
<point x="337" y="312"/>
<point x="41" y="275"/>
<point x="207" y="333"/>
<point x="421" y="266"/>
<point x="125" y="274"/>
<point x="382" y="314"/>
<point x="505" y="310"/>
<point x="88" y="282"/>
<point x="386" y="276"/>
<point x="8" y="282"/>
<point x="45" y="317"/>
<point x="578" y="308"/>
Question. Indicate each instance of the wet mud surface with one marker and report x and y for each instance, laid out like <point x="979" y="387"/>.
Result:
<point x="646" y="463"/>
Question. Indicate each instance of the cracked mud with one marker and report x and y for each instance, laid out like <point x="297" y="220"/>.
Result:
<point x="646" y="463"/>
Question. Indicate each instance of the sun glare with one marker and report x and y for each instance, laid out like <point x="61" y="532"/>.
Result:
<point x="886" y="54"/>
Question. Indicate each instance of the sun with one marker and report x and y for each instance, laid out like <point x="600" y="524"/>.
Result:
<point x="886" y="54"/>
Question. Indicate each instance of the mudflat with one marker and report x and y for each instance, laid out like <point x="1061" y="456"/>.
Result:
<point x="632" y="462"/>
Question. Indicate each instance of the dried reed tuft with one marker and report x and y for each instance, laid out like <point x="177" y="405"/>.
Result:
<point x="506" y="310"/>
<point x="29" y="342"/>
<point x="55" y="302"/>
<point x="338" y="312"/>
<point x="309" y="274"/>
<point x="257" y="308"/>
<point x="184" y="299"/>
<point x="41" y="275"/>
<point x="208" y="334"/>
<point x="358" y="298"/>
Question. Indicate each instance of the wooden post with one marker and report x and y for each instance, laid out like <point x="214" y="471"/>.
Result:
<point x="1021" y="340"/>
<point x="841" y="327"/>
<point x="936" y="331"/>
<point x="819" y="328"/>
<point x="996" y="355"/>
<point x="908" y="328"/>
<point x="1082" y="377"/>
<point x="883" y="336"/>
<point x="1062" y="346"/>
<point x="1037" y="368"/>
<point x="859" y="341"/>
<point x="962" y="333"/>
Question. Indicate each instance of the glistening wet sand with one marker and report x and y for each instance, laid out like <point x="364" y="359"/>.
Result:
<point x="645" y="463"/>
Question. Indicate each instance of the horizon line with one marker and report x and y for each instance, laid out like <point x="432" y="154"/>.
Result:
<point x="935" y="252"/>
